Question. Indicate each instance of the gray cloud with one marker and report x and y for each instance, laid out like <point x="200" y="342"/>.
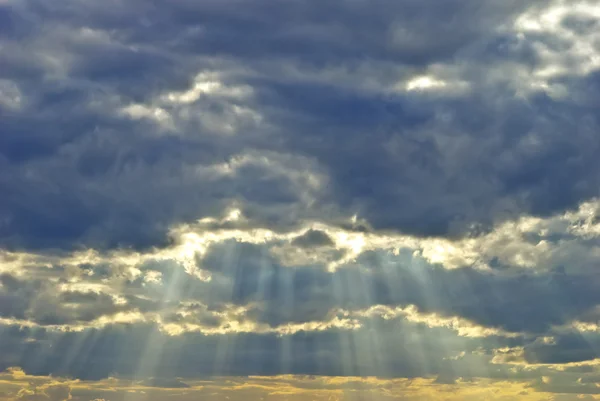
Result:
<point x="312" y="238"/>
<point x="108" y="181"/>
<point x="567" y="348"/>
<point x="121" y="350"/>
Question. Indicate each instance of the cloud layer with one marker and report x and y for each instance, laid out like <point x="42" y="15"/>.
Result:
<point x="403" y="189"/>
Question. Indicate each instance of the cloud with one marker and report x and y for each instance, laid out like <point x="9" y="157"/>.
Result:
<point x="312" y="238"/>
<point x="392" y="189"/>
<point x="567" y="348"/>
<point x="288" y="386"/>
<point x="165" y="383"/>
<point x="236" y="291"/>
<point x="122" y="349"/>
<point x="50" y="391"/>
<point x="134" y="141"/>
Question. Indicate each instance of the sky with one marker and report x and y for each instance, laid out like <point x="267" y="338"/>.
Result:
<point x="337" y="200"/>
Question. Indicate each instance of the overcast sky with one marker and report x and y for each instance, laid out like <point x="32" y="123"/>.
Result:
<point x="334" y="200"/>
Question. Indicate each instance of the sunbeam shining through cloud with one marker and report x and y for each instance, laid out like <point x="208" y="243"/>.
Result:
<point x="334" y="200"/>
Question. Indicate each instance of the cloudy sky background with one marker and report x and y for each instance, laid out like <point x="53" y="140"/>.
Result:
<point x="299" y="200"/>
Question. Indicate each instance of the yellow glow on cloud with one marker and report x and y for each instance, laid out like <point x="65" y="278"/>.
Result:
<point x="506" y="243"/>
<point x="463" y="327"/>
<point x="354" y="242"/>
<point x="15" y="383"/>
<point x="241" y="325"/>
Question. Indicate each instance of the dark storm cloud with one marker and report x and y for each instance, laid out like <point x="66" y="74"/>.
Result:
<point x="77" y="173"/>
<point x="83" y="209"/>
<point x="317" y="31"/>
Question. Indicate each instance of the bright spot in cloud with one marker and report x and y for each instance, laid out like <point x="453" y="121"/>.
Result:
<point x="424" y="83"/>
